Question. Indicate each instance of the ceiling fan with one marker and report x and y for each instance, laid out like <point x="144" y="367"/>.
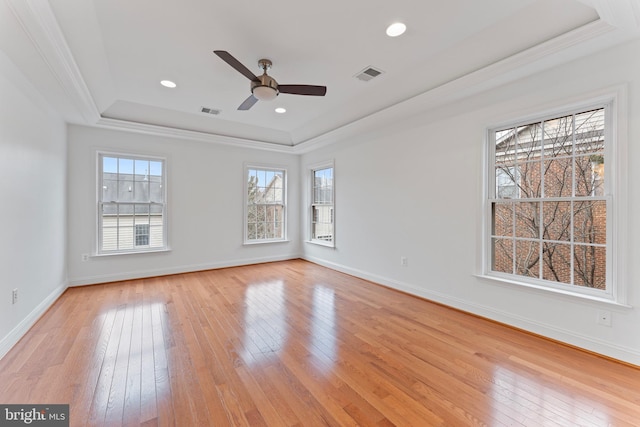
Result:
<point x="265" y="87"/>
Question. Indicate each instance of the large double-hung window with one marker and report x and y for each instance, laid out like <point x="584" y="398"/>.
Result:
<point x="549" y="208"/>
<point x="131" y="204"/>
<point x="265" y="201"/>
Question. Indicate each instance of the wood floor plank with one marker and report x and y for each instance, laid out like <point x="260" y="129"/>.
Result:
<point x="161" y="344"/>
<point x="85" y="380"/>
<point x="118" y="387"/>
<point x="148" y="407"/>
<point x="295" y="344"/>
<point x="101" y="397"/>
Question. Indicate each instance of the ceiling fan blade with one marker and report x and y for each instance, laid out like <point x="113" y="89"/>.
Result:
<point x="237" y="65"/>
<point x="248" y="103"/>
<point x="303" y="89"/>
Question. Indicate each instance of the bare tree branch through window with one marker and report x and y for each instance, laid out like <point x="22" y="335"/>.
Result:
<point x="548" y="205"/>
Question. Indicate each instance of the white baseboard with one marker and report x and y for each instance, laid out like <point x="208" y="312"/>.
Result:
<point x="139" y="274"/>
<point x="605" y="348"/>
<point x="23" y="327"/>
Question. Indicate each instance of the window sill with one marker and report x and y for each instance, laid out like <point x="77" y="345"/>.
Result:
<point x="262" y="242"/>
<point x="321" y="243"/>
<point x="534" y="287"/>
<point x="152" y="251"/>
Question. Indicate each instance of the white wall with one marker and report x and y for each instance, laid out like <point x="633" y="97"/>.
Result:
<point x="414" y="189"/>
<point x="33" y="215"/>
<point x="205" y="199"/>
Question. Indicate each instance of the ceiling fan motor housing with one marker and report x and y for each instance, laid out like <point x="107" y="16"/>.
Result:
<point x="265" y="88"/>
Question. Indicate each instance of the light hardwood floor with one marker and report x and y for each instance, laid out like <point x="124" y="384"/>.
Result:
<point x="295" y="344"/>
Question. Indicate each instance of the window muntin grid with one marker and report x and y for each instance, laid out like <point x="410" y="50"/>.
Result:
<point x="322" y="205"/>
<point x="552" y="229"/>
<point x="131" y="204"/>
<point x="265" y="200"/>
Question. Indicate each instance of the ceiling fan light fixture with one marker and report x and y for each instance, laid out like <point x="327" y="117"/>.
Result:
<point x="265" y="93"/>
<point x="396" y="29"/>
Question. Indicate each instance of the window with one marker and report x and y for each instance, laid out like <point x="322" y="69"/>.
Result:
<point x="506" y="179"/>
<point x="142" y="235"/>
<point x="131" y="204"/>
<point x="548" y="207"/>
<point x="322" y="226"/>
<point x="265" y="204"/>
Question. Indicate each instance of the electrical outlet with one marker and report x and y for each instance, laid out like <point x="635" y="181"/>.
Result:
<point x="604" y="317"/>
<point x="85" y="257"/>
<point x="14" y="296"/>
<point x="404" y="261"/>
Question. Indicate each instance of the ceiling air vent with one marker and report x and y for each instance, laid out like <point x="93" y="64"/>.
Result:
<point x="368" y="74"/>
<point x="208" y="110"/>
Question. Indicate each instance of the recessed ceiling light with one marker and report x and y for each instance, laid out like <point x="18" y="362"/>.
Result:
<point x="281" y="110"/>
<point x="168" y="83"/>
<point x="396" y="29"/>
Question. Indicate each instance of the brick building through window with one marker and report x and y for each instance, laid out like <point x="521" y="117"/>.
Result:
<point x="548" y="203"/>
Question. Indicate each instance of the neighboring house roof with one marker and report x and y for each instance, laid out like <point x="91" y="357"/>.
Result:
<point x="557" y="134"/>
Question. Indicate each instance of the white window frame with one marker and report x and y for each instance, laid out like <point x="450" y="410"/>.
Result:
<point x="137" y="234"/>
<point x="614" y="101"/>
<point x="271" y="168"/>
<point x="312" y="202"/>
<point x="135" y="249"/>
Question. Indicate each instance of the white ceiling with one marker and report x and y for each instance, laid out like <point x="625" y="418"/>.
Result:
<point x="101" y="61"/>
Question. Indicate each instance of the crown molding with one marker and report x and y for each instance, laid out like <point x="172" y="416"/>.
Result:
<point x="162" y="131"/>
<point x="557" y="51"/>
<point x="623" y="14"/>
<point x="40" y="24"/>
